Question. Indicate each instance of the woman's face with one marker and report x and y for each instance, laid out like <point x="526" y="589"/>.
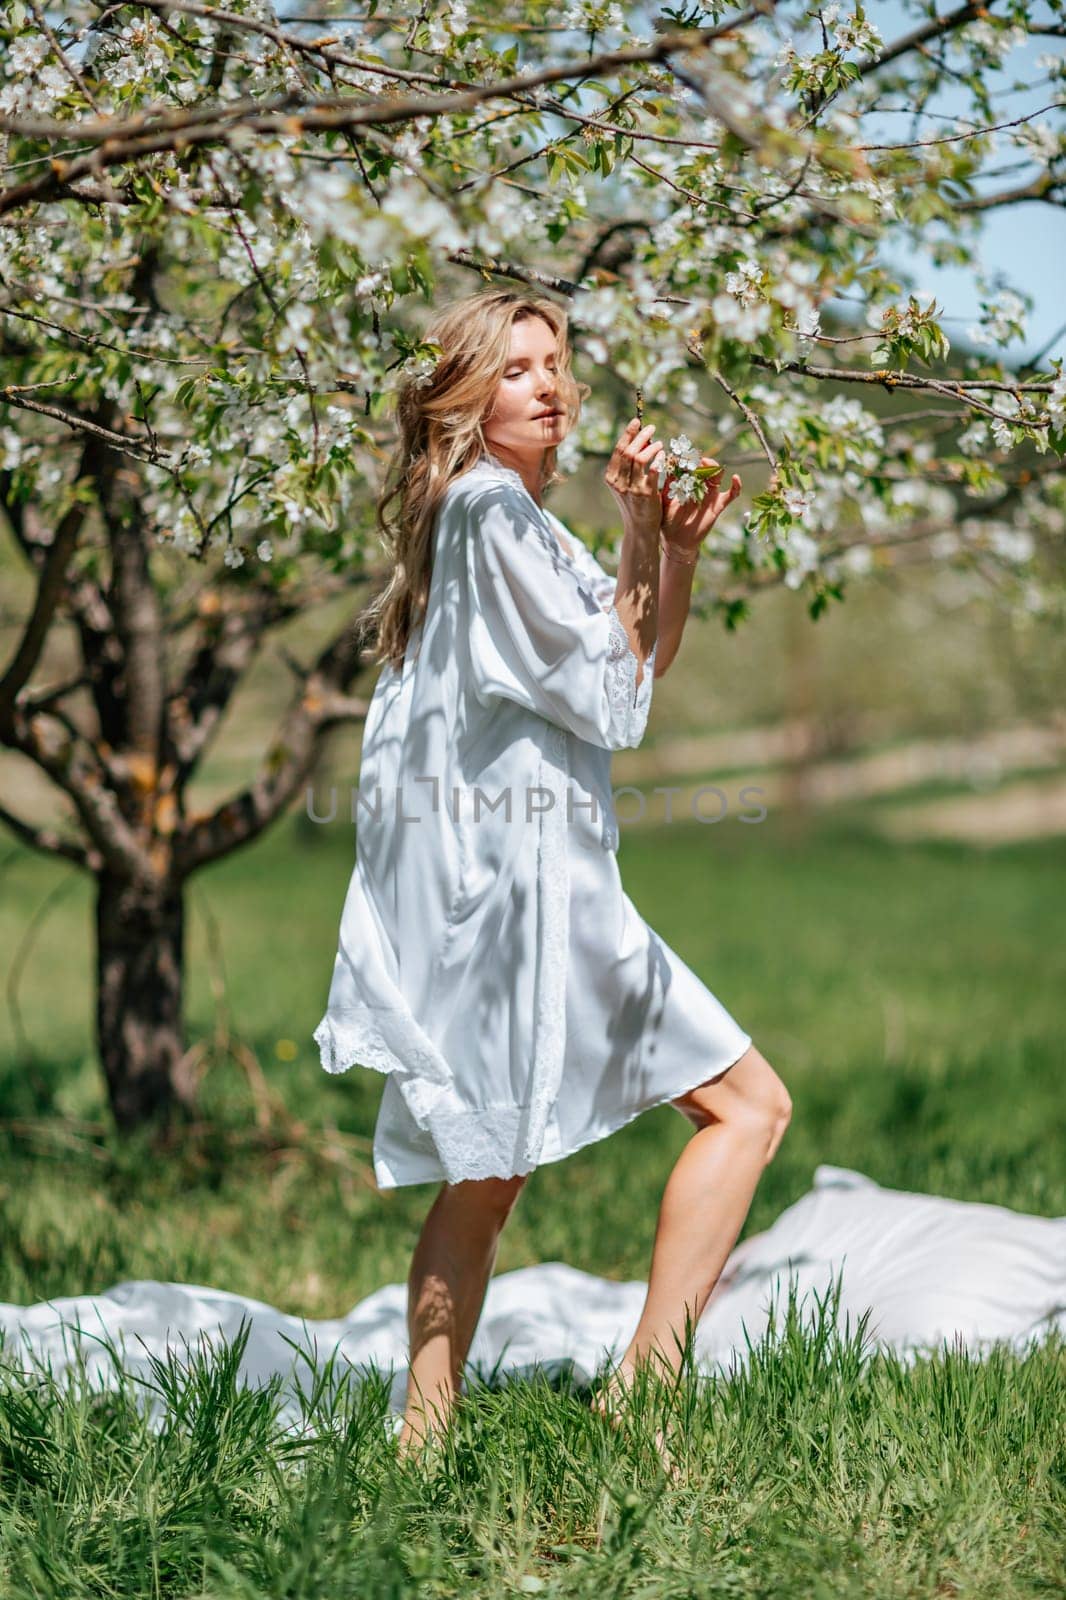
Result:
<point x="517" y="423"/>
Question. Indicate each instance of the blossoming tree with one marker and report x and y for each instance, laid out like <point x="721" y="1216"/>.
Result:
<point x="219" y="229"/>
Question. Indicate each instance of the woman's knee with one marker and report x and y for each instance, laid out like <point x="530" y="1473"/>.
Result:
<point x="771" y="1109"/>
<point x="750" y="1098"/>
<point x="762" y="1123"/>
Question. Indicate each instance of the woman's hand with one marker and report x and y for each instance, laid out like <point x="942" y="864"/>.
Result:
<point x="686" y="524"/>
<point x="633" y="478"/>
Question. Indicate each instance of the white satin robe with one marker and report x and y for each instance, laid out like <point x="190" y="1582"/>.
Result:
<point x="492" y="965"/>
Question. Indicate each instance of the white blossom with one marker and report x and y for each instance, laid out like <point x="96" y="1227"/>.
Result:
<point x="134" y="57"/>
<point x="599" y="309"/>
<point x="342" y="310"/>
<point x="802" y="553"/>
<point x="295" y="323"/>
<point x="799" y="502"/>
<point x="1056" y="400"/>
<point x="858" y="559"/>
<point x="945" y="544"/>
<point x="592" y="13"/>
<point x="32" y="85"/>
<point x="668" y="232"/>
<point x="688" y="391"/>
<point x="740" y="322"/>
<point x="419" y="370"/>
<point x="684" y="452"/>
<point x="326" y="200"/>
<point x="974" y="440"/>
<point x="1013" y="544"/>
<point x="27" y="53"/>
<point x="423" y="216"/>
<point x="1001" y="320"/>
<point x="746" y="282"/>
<point x="854" y="35"/>
<point x="1002" y="432"/>
<point x="994" y="42"/>
<point x="11" y="448"/>
<point x="808" y="324"/>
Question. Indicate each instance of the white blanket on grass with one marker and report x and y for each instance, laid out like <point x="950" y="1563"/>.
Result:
<point x="923" y="1270"/>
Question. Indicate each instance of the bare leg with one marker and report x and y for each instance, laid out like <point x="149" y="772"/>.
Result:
<point x="740" y="1119"/>
<point x="447" y="1284"/>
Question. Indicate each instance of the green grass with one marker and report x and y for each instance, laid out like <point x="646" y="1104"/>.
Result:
<point x="814" y="1472"/>
<point x="907" y="994"/>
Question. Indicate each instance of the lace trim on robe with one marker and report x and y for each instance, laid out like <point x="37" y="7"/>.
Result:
<point x="553" y="898"/>
<point x="629" y="701"/>
<point x="470" y="1141"/>
<point x="389" y="1041"/>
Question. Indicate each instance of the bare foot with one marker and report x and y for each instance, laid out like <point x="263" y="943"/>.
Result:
<point x="611" y="1403"/>
<point x="425" y="1450"/>
<point x="418" y="1437"/>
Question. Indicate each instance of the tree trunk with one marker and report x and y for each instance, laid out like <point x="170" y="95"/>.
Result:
<point x="139" y="1027"/>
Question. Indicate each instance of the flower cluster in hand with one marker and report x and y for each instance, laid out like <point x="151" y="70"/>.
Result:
<point x="681" y="465"/>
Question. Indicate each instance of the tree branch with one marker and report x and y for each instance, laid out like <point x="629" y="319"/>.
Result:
<point x="155" y="130"/>
<point x="753" y="423"/>
<point x="1041" y="188"/>
<point x="322" y="701"/>
<point x="954" y="388"/>
<point x="82" y="780"/>
<point x="51" y="843"/>
<point x="231" y="640"/>
<point x="91" y="613"/>
<point x="129" y="444"/>
<point x="936" y="28"/>
<point x="50" y="587"/>
<point x="958" y="387"/>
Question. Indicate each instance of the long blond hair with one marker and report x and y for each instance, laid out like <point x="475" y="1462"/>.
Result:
<point x="440" y="436"/>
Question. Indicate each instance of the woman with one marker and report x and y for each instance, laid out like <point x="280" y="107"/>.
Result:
<point x="489" y="962"/>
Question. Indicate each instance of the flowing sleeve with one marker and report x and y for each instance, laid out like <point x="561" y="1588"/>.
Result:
<point x="601" y="583"/>
<point x="538" y="634"/>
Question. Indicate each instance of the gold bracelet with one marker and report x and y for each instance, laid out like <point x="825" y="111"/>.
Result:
<point x="673" y="556"/>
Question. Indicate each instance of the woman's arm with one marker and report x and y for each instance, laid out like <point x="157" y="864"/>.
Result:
<point x="636" y="598"/>
<point x="652" y="599"/>
<point x="675" y="597"/>
<point x="632" y="478"/>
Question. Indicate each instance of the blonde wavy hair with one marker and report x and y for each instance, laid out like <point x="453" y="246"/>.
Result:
<point x="440" y="437"/>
